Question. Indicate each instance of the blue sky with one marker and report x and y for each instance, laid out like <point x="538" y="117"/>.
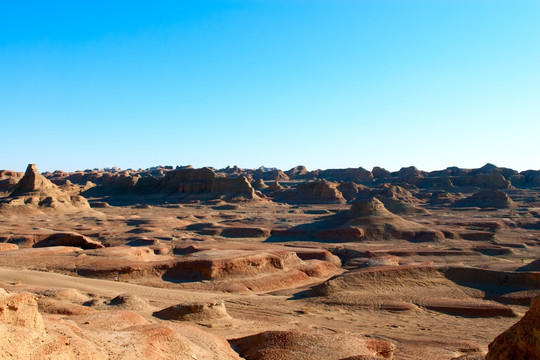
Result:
<point x="325" y="84"/>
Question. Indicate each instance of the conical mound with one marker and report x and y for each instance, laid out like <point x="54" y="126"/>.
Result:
<point x="369" y="207"/>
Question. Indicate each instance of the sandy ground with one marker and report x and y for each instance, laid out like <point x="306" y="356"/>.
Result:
<point x="418" y="332"/>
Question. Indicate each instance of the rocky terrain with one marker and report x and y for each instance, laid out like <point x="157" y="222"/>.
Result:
<point x="270" y="264"/>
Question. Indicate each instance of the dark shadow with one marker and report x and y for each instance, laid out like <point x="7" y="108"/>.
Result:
<point x="189" y="271"/>
<point x="308" y="231"/>
<point x="304" y="294"/>
<point x="496" y="284"/>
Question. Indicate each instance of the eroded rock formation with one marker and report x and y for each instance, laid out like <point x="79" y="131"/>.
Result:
<point x="34" y="191"/>
<point x="521" y="341"/>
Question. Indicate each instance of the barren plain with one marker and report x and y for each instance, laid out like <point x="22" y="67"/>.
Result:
<point x="267" y="264"/>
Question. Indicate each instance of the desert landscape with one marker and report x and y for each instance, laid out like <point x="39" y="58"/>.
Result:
<point x="266" y="264"/>
<point x="270" y="180"/>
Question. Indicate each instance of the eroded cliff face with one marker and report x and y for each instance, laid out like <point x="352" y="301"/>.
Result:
<point x="313" y="192"/>
<point x="205" y="182"/>
<point x="521" y="341"/>
<point x="184" y="183"/>
<point x="332" y="186"/>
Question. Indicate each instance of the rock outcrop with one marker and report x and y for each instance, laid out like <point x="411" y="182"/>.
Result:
<point x="128" y="302"/>
<point x="201" y="182"/>
<point x="254" y="270"/>
<point x="20" y="309"/>
<point x="34" y="191"/>
<point x="9" y="179"/>
<point x="188" y="181"/>
<point x="181" y="184"/>
<point x="522" y="340"/>
<point x="297" y="172"/>
<point x="443" y="198"/>
<point x="369" y="220"/>
<point x="195" y="311"/>
<point x="370" y="208"/>
<point x="69" y="239"/>
<point x="292" y="345"/>
<point x="486" y="199"/>
<point x="275" y="174"/>
<point x="396" y="199"/>
<point x="233" y="189"/>
<point x="350" y="174"/>
<point x="314" y="192"/>
<point x="349" y="190"/>
<point x="380" y="173"/>
<point x="531" y="178"/>
<point x="84" y="333"/>
<point x="32" y="182"/>
<point x="275" y="186"/>
<point x="8" y="247"/>
<point x="22" y="330"/>
<point x="484" y="181"/>
<point x="259" y="184"/>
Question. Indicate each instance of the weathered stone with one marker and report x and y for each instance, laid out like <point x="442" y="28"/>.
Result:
<point x="521" y="341"/>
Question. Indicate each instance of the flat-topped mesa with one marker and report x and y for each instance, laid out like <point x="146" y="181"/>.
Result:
<point x="313" y="192"/>
<point x="188" y="181"/>
<point x="369" y="207"/>
<point x="205" y="181"/>
<point x="235" y="187"/>
<point x="31" y="182"/>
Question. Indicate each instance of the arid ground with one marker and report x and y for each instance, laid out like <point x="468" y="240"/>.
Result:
<point x="264" y="264"/>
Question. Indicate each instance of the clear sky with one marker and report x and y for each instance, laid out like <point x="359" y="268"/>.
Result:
<point x="325" y="84"/>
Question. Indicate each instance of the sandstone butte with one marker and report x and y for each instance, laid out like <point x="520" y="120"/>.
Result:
<point x="342" y="264"/>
